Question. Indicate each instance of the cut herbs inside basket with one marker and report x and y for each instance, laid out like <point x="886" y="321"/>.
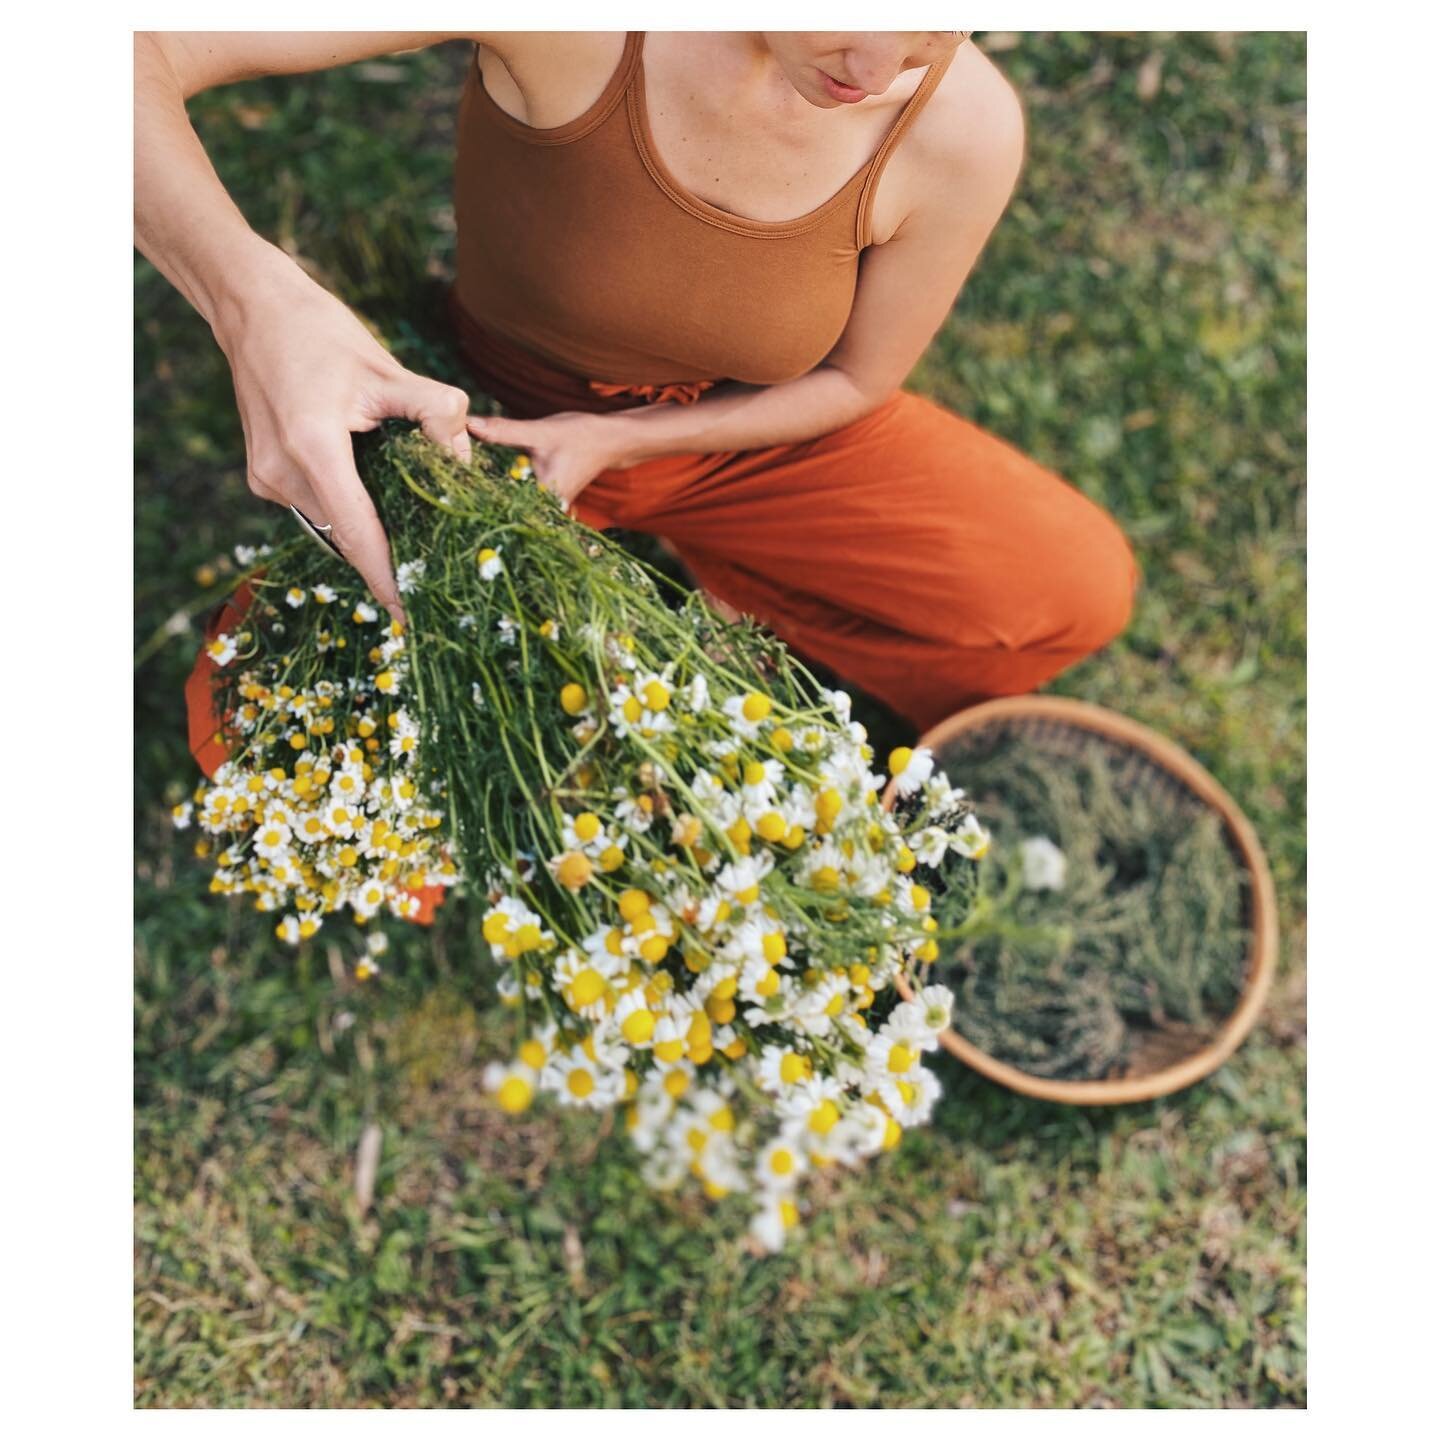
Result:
<point x="696" y="904"/>
<point x="1111" y="931"/>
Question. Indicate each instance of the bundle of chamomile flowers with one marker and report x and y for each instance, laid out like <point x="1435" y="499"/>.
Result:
<point x="695" y="901"/>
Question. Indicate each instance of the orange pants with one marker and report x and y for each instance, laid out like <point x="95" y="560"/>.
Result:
<point x="919" y="557"/>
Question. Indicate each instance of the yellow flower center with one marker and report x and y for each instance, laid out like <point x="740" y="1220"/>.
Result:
<point x="514" y="1095"/>
<point x="580" y="1083"/>
<point x="633" y="904"/>
<point x="638" y="1026"/>
<point x="902" y="1057"/>
<point x="586" y="988"/>
<point x="574" y="870"/>
<point x="756" y="707"/>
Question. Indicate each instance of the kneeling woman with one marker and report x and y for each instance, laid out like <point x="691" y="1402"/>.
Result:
<point x="694" y="269"/>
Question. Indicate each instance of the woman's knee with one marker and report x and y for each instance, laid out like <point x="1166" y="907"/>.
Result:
<point x="1069" y="592"/>
<point x="1104" y="604"/>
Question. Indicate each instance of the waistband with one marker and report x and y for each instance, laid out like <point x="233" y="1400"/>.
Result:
<point x="529" y="387"/>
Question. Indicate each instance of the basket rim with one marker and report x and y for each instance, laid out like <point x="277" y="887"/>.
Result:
<point x="1265" y="928"/>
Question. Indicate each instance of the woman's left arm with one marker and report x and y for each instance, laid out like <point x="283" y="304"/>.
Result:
<point x="907" y="287"/>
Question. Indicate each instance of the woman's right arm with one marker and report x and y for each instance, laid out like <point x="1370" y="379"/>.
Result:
<point x="307" y="373"/>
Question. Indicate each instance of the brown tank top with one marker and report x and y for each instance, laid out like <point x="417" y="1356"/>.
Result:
<point x="577" y="245"/>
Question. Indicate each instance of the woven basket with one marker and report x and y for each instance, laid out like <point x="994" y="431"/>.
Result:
<point x="1166" y="1062"/>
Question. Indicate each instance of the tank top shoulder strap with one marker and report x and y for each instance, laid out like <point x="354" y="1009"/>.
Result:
<point x="582" y="124"/>
<point x="934" y="74"/>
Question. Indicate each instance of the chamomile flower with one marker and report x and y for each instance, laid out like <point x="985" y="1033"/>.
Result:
<point x="840" y="702"/>
<point x="323" y="594"/>
<point x="584" y="980"/>
<point x="930" y="846"/>
<point x="777" y="1215"/>
<point x="490" y="562"/>
<point x="741" y="879"/>
<point x="635" y="812"/>
<point x="587" y="833"/>
<point x="817" y="1008"/>
<point x="781" y="1163"/>
<point x="513" y="1086"/>
<point x="272" y="840"/>
<point x="408" y="574"/>
<point x="911" y="768"/>
<point x="814" y="1106"/>
<point x="780" y="1067"/>
<point x="222" y="649"/>
<point x="294" y="597"/>
<point x="935" y="1003"/>
<point x="741" y="726"/>
<point x="576" y="1079"/>
<point x="1042" y="863"/>
<point x="634" y="1020"/>
<point x="972" y="839"/>
<point x="910" y="1098"/>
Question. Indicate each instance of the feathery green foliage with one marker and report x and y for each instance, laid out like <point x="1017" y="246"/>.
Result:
<point x="1146" y="934"/>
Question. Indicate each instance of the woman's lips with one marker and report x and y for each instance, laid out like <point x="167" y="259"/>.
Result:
<point x="846" y="93"/>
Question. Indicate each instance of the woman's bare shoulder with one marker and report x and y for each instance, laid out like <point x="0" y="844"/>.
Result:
<point x="960" y="160"/>
<point x="974" y="123"/>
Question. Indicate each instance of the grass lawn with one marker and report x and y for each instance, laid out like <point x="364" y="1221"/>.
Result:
<point x="1137" y="323"/>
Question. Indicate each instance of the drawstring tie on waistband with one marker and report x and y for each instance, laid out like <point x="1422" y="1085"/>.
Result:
<point x="681" y="392"/>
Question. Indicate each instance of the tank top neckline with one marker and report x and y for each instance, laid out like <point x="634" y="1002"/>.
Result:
<point x="628" y="81"/>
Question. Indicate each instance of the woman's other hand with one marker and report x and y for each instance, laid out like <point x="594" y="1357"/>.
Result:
<point x="567" y="450"/>
<point x="307" y="374"/>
